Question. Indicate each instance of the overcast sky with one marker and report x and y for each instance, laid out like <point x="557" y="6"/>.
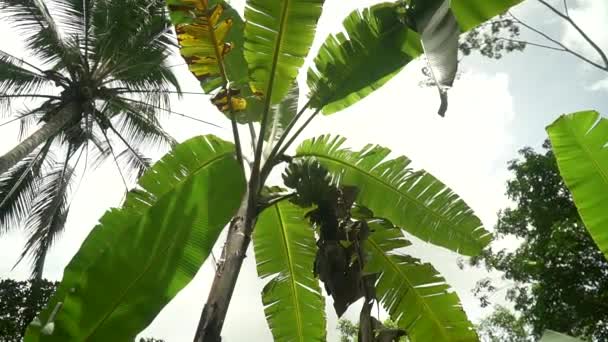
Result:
<point x="496" y="108"/>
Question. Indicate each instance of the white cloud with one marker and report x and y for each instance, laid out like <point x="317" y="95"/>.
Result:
<point x="601" y="85"/>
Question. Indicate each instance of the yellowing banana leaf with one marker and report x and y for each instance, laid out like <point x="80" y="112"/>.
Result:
<point x="210" y="35"/>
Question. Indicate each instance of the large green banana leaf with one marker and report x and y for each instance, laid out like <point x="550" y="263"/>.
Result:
<point x="415" y="201"/>
<point x="278" y="35"/>
<point x="470" y="13"/>
<point x="382" y="39"/>
<point x="376" y="45"/>
<point x="413" y="293"/>
<point x="141" y="255"/>
<point x="580" y="144"/>
<point x="285" y="248"/>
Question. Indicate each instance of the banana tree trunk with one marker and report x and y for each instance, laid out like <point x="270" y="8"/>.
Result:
<point x="233" y="254"/>
<point x="52" y="127"/>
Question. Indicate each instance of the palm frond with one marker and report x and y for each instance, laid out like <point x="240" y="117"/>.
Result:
<point x="75" y="17"/>
<point x="137" y="124"/>
<point x="48" y="215"/>
<point x="134" y="162"/>
<point x="17" y="79"/>
<point x="101" y="152"/>
<point x="33" y="19"/>
<point x="132" y="39"/>
<point x="31" y="117"/>
<point x="19" y="186"/>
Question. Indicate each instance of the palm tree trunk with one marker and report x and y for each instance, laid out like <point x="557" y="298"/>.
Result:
<point x="52" y="127"/>
<point x="233" y="254"/>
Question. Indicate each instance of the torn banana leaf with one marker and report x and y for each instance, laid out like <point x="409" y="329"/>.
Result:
<point x="210" y="36"/>
<point x="439" y="23"/>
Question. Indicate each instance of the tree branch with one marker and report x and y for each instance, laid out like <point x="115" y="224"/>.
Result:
<point x="532" y="44"/>
<point x="579" y="30"/>
<point x="555" y="41"/>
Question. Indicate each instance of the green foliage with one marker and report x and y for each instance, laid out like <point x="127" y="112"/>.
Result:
<point x="160" y="238"/>
<point x="493" y="40"/>
<point x="278" y="35"/>
<point x="554" y="336"/>
<point x="504" y="326"/>
<point x="560" y="276"/>
<point x="470" y="13"/>
<point x="580" y="144"/>
<point x="284" y="245"/>
<point x="20" y="302"/>
<point x="414" y="293"/>
<point x="339" y="261"/>
<point x="349" y="331"/>
<point x="166" y="227"/>
<point x="348" y="66"/>
<point x="413" y="200"/>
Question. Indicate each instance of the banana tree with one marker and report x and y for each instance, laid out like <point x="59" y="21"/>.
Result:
<point x="153" y="245"/>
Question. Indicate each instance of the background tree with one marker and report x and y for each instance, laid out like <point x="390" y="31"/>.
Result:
<point x="20" y="302"/>
<point x="349" y="331"/>
<point x="560" y="276"/>
<point x="504" y="326"/>
<point x="503" y="35"/>
<point x="97" y="82"/>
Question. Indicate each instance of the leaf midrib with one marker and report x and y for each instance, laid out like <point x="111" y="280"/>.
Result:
<point x="399" y="192"/>
<point x="275" y="56"/>
<point x="150" y="263"/>
<point x="292" y="281"/>
<point x="412" y="288"/>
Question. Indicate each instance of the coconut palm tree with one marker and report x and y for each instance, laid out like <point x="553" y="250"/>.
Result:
<point x="97" y="80"/>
